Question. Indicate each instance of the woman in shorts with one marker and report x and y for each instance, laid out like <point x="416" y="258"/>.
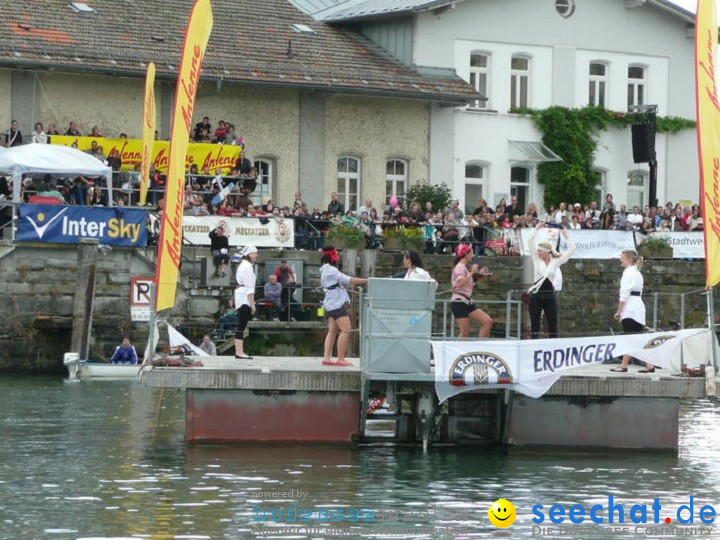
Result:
<point x="462" y="306"/>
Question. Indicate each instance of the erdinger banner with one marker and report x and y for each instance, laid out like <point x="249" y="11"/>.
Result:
<point x="212" y="156"/>
<point x="68" y="224"/>
<point x="275" y="232"/>
<point x="531" y="367"/>
<point x="708" y="132"/>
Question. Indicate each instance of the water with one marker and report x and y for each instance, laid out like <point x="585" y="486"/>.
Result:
<point x="101" y="460"/>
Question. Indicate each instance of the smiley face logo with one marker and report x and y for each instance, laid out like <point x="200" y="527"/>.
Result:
<point x="502" y="513"/>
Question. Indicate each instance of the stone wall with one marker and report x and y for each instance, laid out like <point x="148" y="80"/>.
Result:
<point x="37" y="285"/>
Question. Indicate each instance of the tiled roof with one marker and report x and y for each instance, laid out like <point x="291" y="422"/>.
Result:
<point x="346" y="10"/>
<point x="252" y="41"/>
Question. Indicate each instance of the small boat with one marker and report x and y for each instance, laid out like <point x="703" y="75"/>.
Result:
<point x="82" y="369"/>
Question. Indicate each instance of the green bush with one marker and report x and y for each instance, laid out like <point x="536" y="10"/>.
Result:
<point x="439" y="195"/>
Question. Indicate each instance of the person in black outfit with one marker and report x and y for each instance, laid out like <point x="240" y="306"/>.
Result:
<point x="219" y="247"/>
<point x="243" y="164"/>
<point x="200" y="127"/>
<point x="13" y="137"/>
<point x="335" y="207"/>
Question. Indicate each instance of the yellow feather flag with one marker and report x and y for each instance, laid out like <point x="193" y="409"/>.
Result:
<point x="148" y="133"/>
<point x="197" y="35"/>
<point x="708" y="131"/>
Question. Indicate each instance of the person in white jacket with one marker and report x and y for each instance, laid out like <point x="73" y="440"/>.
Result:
<point x="546" y="263"/>
<point x="415" y="268"/>
<point x="244" y="297"/>
<point x="631" y="309"/>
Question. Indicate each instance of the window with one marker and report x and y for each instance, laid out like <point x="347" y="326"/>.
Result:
<point x="637" y="184"/>
<point x="637" y="91"/>
<point x="598" y="84"/>
<point x="479" y="72"/>
<point x="600" y="186"/>
<point x="348" y="183"/>
<point x="264" y="181"/>
<point x="396" y="180"/>
<point x="519" y="82"/>
<point x="475" y="177"/>
<point x="520" y="185"/>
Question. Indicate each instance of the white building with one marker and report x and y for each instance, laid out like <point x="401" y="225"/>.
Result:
<point x="536" y="54"/>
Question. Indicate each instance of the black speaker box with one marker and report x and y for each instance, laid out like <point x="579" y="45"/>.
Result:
<point x="643" y="142"/>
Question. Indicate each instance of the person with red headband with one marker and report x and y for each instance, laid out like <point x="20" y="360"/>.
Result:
<point x="462" y="306"/>
<point x="336" y="304"/>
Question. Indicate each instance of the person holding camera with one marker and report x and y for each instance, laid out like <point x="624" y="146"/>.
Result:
<point x="219" y="247"/>
<point x="546" y="264"/>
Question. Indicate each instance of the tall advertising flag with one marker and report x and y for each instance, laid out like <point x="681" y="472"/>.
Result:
<point x="148" y="133"/>
<point x="197" y="35"/>
<point x="708" y="131"/>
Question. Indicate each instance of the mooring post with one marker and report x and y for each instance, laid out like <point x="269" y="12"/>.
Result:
<point x="84" y="297"/>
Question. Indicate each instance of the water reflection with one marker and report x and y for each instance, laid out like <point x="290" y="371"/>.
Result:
<point x="108" y="459"/>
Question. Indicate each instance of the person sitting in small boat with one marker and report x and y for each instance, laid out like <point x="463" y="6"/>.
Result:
<point x="125" y="353"/>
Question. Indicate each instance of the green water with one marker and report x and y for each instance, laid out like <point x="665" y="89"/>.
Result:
<point x="104" y="460"/>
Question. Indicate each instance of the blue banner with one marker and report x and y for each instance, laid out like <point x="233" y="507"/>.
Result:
<point x="65" y="224"/>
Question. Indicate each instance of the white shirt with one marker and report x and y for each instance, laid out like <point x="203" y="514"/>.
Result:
<point x="541" y="271"/>
<point x="635" y="219"/>
<point x="632" y="280"/>
<point x="419" y="274"/>
<point x="559" y="214"/>
<point x="245" y="277"/>
<point x="40" y="138"/>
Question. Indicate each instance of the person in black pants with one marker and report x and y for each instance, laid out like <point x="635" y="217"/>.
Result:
<point x="219" y="247"/>
<point x="546" y="261"/>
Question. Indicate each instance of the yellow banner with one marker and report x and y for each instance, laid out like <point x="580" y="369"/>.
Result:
<point x="148" y="135"/>
<point x="708" y="130"/>
<point x="204" y="155"/>
<point x="197" y="35"/>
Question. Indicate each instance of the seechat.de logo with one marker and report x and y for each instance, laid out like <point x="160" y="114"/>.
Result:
<point x="656" y="342"/>
<point x="478" y="369"/>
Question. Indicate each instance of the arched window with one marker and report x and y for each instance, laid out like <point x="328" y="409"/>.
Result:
<point x="598" y="84"/>
<point x="637" y="188"/>
<point x="637" y="85"/>
<point x="475" y="184"/>
<point x="396" y="180"/>
<point x="265" y="171"/>
<point x="519" y="82"/>
<point x="348" y="181"/>
<point x="480" y="77"/>
<point x="520" y="186"/>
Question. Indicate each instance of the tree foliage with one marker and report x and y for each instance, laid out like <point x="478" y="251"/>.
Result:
<point x="438" y="194"/>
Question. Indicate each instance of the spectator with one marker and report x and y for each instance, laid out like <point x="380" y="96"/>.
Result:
<point x="514" y="209"/>
<point x="561" y="211"/>
<point x="695" y="222"/>
<point x="208" y="346"/>
<point x="243" y="164"/>
<point x="52" y="191"/>
<point x="635" y="220"/>
<point x="622" y="217"/>
<point x="648" y="226"/>
<point x="220" y="132"/>
<point x="219" y="247"/>
<point x="114" y="161"/>
<point x="72" y="130"/>
<point x="676" y="222"/>
<point x="298" y="202"/>
<point x="202" y="129"/>
<point x="664" y="225"/>
<point x="39" y="136"/>
<point x="429" y="208"/>
<point x="592" y="216"/>
<point x="125" y="353"/>
<point x="550" y="214"/>
<point x="97" y="198"/>
<point x="365" y="208"/>
<point x="607" y="215"/>
<point x="13" y="137"/>
<point x="52" y="130"/>
<point x="273" y="292"/>
<point x="335" y="207"/>
<point x="575" y="224"/>
<point x="79" y="192"/>
<point x="455" y="211"/>
<point x="95" y="132"/>
<point x="286" y="277"/>
<point x="227" y="321"/>
<point x="231" y="135"/>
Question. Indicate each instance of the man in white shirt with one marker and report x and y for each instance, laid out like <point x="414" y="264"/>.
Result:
<point x="635" y="220"/>
<point x="561" y="212"/>
<point x="592" y="216"/>
<point x="368" y="206"/>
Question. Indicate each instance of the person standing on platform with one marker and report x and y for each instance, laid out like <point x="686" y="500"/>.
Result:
<point x="631" y="310"/>
<point x="415" y="269"/>
<point x="336" y="304"/>
<point x="244" y="297"/>
<point x="546" y="262"/>
<point x="219" y="247"/>
<point x="462" y="306"/>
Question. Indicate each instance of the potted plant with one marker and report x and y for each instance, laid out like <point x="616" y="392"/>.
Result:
<point x="656" y="247"/>
<point x="347" y="234"/>
<point x="402" y="237"/>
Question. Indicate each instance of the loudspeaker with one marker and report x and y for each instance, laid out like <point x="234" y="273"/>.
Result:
<point x="643" y="142"/>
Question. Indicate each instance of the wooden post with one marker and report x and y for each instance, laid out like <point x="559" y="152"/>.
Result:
<point x="84" y="297"/>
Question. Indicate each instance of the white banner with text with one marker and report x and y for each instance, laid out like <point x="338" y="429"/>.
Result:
<point x="531" y="367"/>
<point x="258" y="232"/>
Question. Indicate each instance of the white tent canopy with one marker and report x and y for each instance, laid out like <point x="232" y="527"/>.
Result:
<point x="51" y="159"/>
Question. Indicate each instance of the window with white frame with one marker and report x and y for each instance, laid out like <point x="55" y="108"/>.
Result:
<point x="479" y="77"/>
<point x="637" y="188"/>
<point x="637" y="85"/>
<point x="396" y="180"/>
<point x="600" y="186"/>
<point x="519" y="82"/>
<point x="475" y="178"/>
<point x="348" y="182"/>
<point x="598" y="84"/>
<point x="520" y="186"/>
<point x="264" y="187"/>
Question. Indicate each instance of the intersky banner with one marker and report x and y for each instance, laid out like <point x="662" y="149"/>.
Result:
<point x="148" y="135"/>
<point x="531" y="367"/>
<point x="212" y="156"/>
<point x="708" y="132"/>
<point x="68" y="224"/>
<point x="197" y="35"/>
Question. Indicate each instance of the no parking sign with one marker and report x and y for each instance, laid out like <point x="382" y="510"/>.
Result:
<point x="140" y="298"/>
